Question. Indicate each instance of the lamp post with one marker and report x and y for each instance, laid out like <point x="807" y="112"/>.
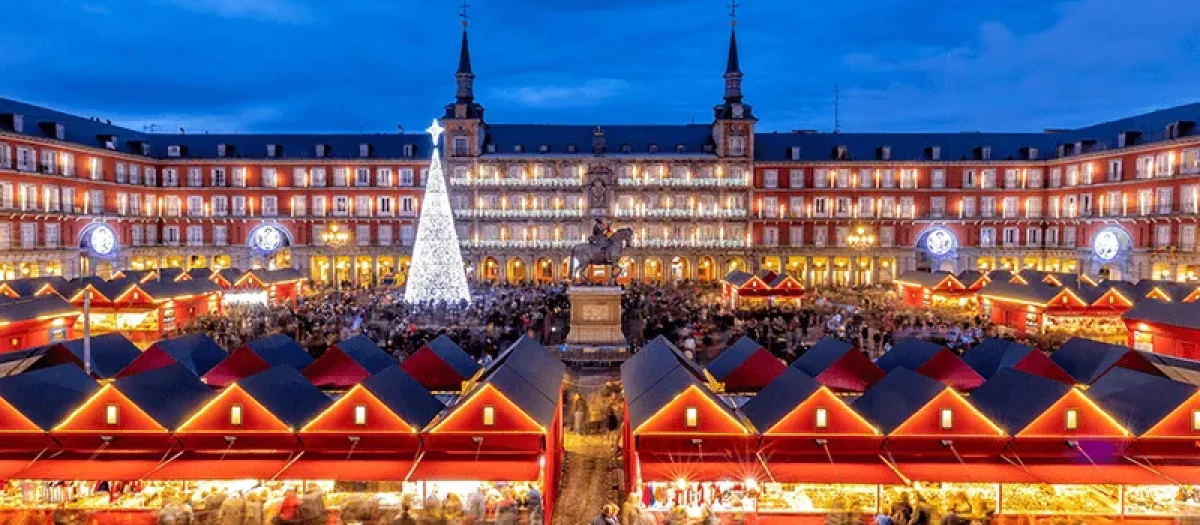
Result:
<point x="860" y="239"/>
<point x="335" y="238"/>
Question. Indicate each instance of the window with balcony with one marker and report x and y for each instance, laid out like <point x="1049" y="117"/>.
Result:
<point x="318" y="177"/>
<point x="1033" y="178"/>
<point x="195" y="178"/>
<point x="68" y="200"/>
<point x="195" y="236"/>
<point x="52" y="236"/>
<point x="937" y="178"/>
<point x="135" y="204"/>
<point x="988" y="179"/>
<point x="1072" y="176"/>
<point x="1162" y="235"/>
<point x="1012" y="179"/>
<point x="866" y="178"/>
<point x="770" y="178"/>
<point x="319" y="206"/>
<point x="887" y="236"/>
<point x="820" y="207"/>
<point x="1011" y="237"/>
<point x="796" y="236"/>
<point x="887" y="207"/>
<point x="737" y="146"/>
<point x="1052" y="236"/>
<point x="987" y="207"/>
<point x="866" y="207"/>
<point x="1069" y="236"/>
<point x="966" y="207"/>
<point x="1033" y="237"/>
<point x="5" y="156"/>
<point x="122" y="204"/>
<point x="171" y="235"/>
<point x="1190" y="161"/>
<point x="341" y="177"/>
<point x="908" y="179"/>
<point x="888" y="178"/>
<point x="1115" y="171"/>
<point x="408" y="206"/>
<point x="362" y="206"/>
<point x="769" y="207"/>
<point x="50" y="198"/>
<point x="341" y="206"/>
<point x="270" y="178"/>
<point x="1187" y="237"/>
<point x="362" y="177"/>
<point x="1188" y="200"/>
<point x="137" y="235"/>
<point x="26" y="159"/>
<point x="1145" y="201"/>
<point x="1164" y="164"/>
<point x="770" y="236"/>
<point x="1033" y="207"/>
<point x="821" y="178"/>
<point x="969" y="180"/>
<point x="220" y="206"/>
<point x="1145" y="166"/>
<point x="270" y="206"/>
<point x="1010" y="208"/>
<point x="937" y="207"/>
<point x="1165" y="201"/>
<point x="195" y="205"/>
<point x="362" y="234"/>
<point x="170" y="177"/>
<point x="29" y="235"/>
<point x="96" y="199"/>
<point x="220" y="235"/>
<point x="796" y="178"/>
<point x="239" y="206"/>
<point x="987" y="237"/>
<point x="845" y="207"/>
<point x="820" y="236"/>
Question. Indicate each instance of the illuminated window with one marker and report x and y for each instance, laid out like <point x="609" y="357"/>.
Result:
<point x="110" y="414"/>
<point x="1071" y="419"/>
<point x="489" y="416"/>
<point x="1196" y="420"/>
<point x="822" y="417"/>
<point x="946" y="420"/>
<point x="235" y="415"/>
<point x="691" y="417"/>
<point x="360" y="414"/>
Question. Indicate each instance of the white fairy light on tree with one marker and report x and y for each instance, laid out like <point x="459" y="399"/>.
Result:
<point x="437" y="272"/>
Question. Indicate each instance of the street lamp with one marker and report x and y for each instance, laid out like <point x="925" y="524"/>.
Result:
<point x="335" y="238"/>
<point x="860" y="238"/>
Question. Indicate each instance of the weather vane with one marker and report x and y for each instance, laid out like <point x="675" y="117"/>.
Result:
<point x="463" y="13"/>
<point x="733" y="5"/>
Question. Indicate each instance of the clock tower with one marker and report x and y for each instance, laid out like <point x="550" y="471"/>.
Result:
<point x="733" y="127"/>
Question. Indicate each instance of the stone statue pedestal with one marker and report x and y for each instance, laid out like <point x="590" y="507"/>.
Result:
<point x="595" y="316"/>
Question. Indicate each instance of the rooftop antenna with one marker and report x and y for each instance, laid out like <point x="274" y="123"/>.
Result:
<point x="837" y="99"/>
<point x="463" y="12"/>
<point x="733" y="5"/>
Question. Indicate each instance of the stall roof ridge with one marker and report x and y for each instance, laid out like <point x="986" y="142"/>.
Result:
<point x="1013" y="399"/>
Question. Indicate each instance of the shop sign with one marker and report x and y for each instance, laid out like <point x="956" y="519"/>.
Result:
<point x="58" y="334"/>
<point x="1031" y="322"/>
<point x="1143" y="341"/>
<point x="168" y="319"/>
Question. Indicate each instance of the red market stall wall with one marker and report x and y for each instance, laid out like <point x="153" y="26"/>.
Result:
<point x="1164" y="339"/>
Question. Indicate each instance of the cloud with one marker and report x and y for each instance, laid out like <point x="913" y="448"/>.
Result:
<point x="278" y="11"/>
<point x="587" y="94"/>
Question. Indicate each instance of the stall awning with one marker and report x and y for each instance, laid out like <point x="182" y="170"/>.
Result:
<point x="470" y="469"/>
<point x="1087" y="474"/>
<point x="231" y="467"/>
<point x="853" y="473"/>
<point x="1188" y="474"/>
<point x="701" y="470"/>
<point x="347" y="470"/>
<point x="965" y="472"/>
<point x="9" y="467"/>
<point x="115" y="469"/>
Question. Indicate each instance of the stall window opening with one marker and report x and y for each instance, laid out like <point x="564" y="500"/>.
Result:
<point x="946" y="419"/>
<point x="822" y="417"/>
<point x="1071" y="419"/>
<point x="360" y="414"/>
<point x="691" y="417"/>
<point x="111" y="415"/>
<point x="235" y="415"/>
<point x="489" y="416"/>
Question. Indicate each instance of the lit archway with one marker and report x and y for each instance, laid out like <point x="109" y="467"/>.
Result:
<point x="564" y="269"/>
<point x="652" y="270"/>
<point x="517" y="271"/>
<point x="706" y="271"/>
<point x="543" y="271"/>
<point x="772" y="263"/>
<point x="489" y="270"/>
<point x="681" y="269"/>
<point x="629" y="269"/>
<point x="735" y="264"/>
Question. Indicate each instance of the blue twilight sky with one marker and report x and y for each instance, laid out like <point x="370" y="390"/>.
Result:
<point x="346" y="65"/>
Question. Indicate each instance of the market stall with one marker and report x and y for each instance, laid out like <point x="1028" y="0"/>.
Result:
<point x="739" y="288"/>
<point x="281" y="287"/>
<point x="35" y="321"/>
<point x="348" y="363"/>
<point x="1167" y="328"/>
<point x="689" y="448"/>
<point x="839" y="366"/>
<point x="745" y="367"/>
<point x="931" y="360"/>
<point x="932" y="289"/>
<point x="993" y="355"/>
<point x="1088" y="360"/>
<point x="441" y="365"/>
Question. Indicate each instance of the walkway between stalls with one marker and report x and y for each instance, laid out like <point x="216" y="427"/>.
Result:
<point x="592" y="469"/>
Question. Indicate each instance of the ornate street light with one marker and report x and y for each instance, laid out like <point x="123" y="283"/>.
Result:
<point x="335" y="238"/>
<point x="860" y="238"/>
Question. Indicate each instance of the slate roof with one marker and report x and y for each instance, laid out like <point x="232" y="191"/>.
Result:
<point x="196" y="352"/>
<point x="29" y="286"/>
<point x="1139" y="401"/>
<point x="365" y="352"/>
<point x="1034" y="292"/>
<point x="170" y="289"/>
<point x="1175" y="368"/>
<point x="1183" y="315"/>
<point x="968" y="277"/>
<point x="404" y="395"/>
<point x="910" y="353"/>
<point x="1013" y="399"/>
<point x="242" y="362"/>
<point x="287" y="394"/>
<point x="30" y="308"/>
<point x="821" y="355"/>
<point x="279" y="349"/>
<point x="733" y="357"/>
<point x="992" y="355"/>
<point x="49" y="395"/>
<point x="779" y="398"/>
<point x="529" y="377"/>
<point x="738" y="278"/>
<point x="639" y="138"/>
<point x="896" y="397"/>
<point x="453" y="355"/>
<point x="110" y="353"/>
<point x="281" y="275"/>
<point x="169" y="394"/>
<point x="1086" y="359"/>
<point x="657" y="373"/>
<point x="924" y="279"/>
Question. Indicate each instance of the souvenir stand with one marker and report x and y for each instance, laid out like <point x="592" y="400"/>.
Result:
<point x="839" y="366"/>
<point x="500" y="441"/>
<point x="686" y="448"/>
<point x="35" y="321"/>
<point x="739" y="288"/>
<point x="931" y="289"/>
<point x="745" y="367"/>
<point x="348" y="363"/>
<point x="282" y="287"/>
<point x="441" y="365"/>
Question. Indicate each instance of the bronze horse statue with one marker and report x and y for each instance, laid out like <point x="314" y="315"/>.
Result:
<point x="586" y="254"/>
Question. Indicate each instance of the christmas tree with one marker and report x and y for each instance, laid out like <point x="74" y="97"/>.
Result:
<point x="437" y="272"/>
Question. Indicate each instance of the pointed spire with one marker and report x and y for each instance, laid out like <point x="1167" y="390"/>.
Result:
<point x="464" y="55"/>
<point x="732" y="64"/>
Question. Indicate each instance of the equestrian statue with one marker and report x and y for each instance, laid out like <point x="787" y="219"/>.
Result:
<point x="603" y="248"/>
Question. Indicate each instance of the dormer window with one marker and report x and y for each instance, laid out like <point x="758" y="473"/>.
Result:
<point x="544" y="148"/>
<point x="18" y="123"/>
<point x="935" y="153"/>
<point x="518" y="148"/>
<point x="410" y="150"/>
<point x="489" y="416"/>
<point x="570" y="148"/>
<point x="653" y="148"/>
<point x="491" y="148"/>
<point x="1061" y="151"/>
<point x="272" y="150"/>
<point x="708" y="148"/>
<point x="839" y="153"/>
<point x="110" y="143"/>
<point x="794" y="153"/>
<point x="236" y="415"/>
<point x="60" y="131"/>
<point x="173" y="151"/>
<point x="983" y="153"/>
<point x="680" y="148"/>
<point x="321" y="151"/>
<point x="626" y="148"/>
<point x="222" y="150"/>
<point x="111" y="415"/>
<point x="885" y="153"/>
<point x="946" y="418"/>
<point x="364" y="150"/>
<point x="1031" y="154"/>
